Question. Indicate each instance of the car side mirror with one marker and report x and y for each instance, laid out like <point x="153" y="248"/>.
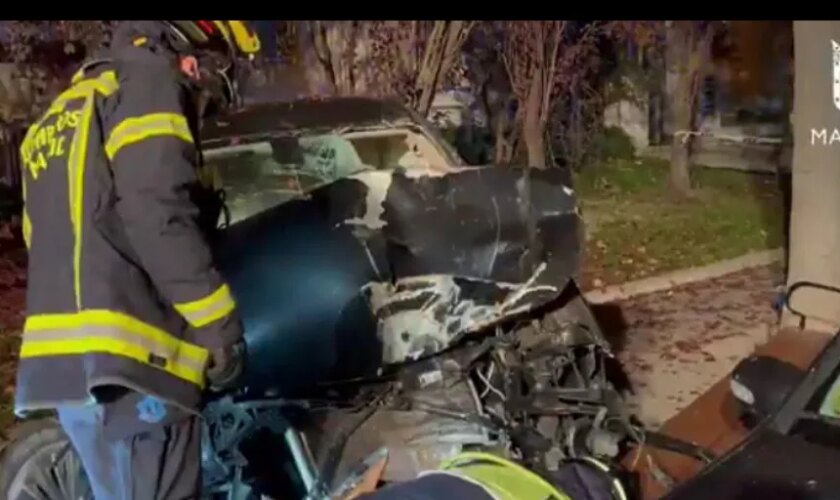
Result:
<point x="760" y="384"/>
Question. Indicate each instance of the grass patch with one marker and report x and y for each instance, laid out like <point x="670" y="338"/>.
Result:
<point x="638" y="230"/>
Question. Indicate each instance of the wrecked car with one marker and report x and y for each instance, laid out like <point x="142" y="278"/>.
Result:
<point x="393" y="299"/>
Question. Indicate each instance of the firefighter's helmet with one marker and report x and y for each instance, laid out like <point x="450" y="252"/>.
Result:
<point x="235" y="38"/>
<point x="220" y="44"/>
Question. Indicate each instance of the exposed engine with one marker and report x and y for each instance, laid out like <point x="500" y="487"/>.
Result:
<point x="537" y="391"/>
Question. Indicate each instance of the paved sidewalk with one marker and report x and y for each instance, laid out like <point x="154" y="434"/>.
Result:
<point x="675" y="344"/>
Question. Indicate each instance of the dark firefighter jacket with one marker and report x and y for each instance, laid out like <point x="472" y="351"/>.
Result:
<point x="122" y="290"/>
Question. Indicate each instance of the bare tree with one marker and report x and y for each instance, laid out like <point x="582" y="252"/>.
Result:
<point x="336" y="47"/>
<point x="409" y="59"/>
<point x="441" y="54"/>
<point x="44" y="54"/>
<point x="688" y="49"/>
<point x="25" y="38"/>
<point x="413" y="58"/>
<point x="544" y="59"/>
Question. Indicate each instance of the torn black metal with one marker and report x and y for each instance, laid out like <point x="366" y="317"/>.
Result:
<point x="460" y="256"/>
<point x="434" y="256"/>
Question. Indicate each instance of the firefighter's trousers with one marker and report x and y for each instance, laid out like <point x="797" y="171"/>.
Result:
<point x="163" y="463"/>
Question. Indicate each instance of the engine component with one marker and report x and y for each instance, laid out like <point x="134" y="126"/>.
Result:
<point x="549" y="386"/>
<point x="435" y="417"/>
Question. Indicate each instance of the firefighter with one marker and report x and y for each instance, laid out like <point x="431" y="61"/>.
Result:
<point x="128" y="319"/>
<point x="484" y="476"/>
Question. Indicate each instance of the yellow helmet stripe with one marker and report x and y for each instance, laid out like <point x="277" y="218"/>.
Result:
<point x="224" y="30"/>
<point x="246" y="40"/>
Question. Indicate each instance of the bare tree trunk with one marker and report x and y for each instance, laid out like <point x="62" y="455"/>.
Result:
<point x="440" y="55"/>
<point x="320" y="44"/>
<point x="815" y="232"/>
<point x="334" y="44"/>
<point x="686" y="54"/>
<point x="533" y="129"/>
<point x="430" y="66"/>
<point x="679" y="180"/>
<point x="344" y="38"/>
<point x="678" y="40"/>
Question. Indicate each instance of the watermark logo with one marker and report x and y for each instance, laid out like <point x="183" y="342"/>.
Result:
<point x="823" y="136"/>
<point x="835" y="87"/>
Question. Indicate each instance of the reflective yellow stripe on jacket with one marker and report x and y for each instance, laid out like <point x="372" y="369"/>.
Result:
<point x="27" y="222"/>
<point x="118" y="334"/>
<point x="500" y="478"/>
<point x="506" y="480"/>
<point x="104" y="84"/>
<point x="139" y="128"/>
<point x="206" y="310"/>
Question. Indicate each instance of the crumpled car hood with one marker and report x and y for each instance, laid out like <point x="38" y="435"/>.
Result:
<point x="466" y="250"/>
<point x="398" y="264"/>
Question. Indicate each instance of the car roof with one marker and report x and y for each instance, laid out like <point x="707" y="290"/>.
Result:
<point x="322" y="113"/>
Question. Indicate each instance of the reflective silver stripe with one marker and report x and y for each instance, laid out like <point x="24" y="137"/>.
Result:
<point x="93" y="332"/>
<point x="136" y="129"/>
<point x="206" y="316"/>
<point x="208" y="309"/>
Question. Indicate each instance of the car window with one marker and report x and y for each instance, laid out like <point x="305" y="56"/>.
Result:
<point x="263" y="174"/>
<point x="391" y="148"/>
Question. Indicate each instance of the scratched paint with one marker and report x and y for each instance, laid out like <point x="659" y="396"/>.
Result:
<point x="425" y="314"/>
<point x="378" y="184"/>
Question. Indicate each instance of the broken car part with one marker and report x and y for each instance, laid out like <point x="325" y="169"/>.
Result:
<point x="394" y="298"/>
<point x="761" y="384"/>
<point x="762" y="465"/>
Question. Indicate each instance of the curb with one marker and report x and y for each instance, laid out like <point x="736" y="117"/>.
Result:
<point x="666" y="281"/>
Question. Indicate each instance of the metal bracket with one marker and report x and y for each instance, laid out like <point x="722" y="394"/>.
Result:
<point x="805" y="284"/>
<point x="669" y="443"/>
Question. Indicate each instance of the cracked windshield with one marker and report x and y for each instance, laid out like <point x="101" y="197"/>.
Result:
<point x="259" y="175"/>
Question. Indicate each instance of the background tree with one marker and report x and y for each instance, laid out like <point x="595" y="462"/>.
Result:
<point x="638" y="72"/>
<point x="543" y="60"/>
<point x="338" y="48"/>
<point x="406" y="59"/>
<point x="44" y="54"/>
<point x="413" y="58"/>
<point x="531" y="52"/>
<point x="502" y="55"/>
<point x="687" y="54"/>
<point x="626" y="69"/>
<point x="485" y="71"/>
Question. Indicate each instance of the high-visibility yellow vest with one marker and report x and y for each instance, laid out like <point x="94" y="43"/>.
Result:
<point x="501" y="478"/>
<point x="505" y="480"/>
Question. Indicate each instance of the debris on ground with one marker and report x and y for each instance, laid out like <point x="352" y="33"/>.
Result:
<point x="678" y="343"/>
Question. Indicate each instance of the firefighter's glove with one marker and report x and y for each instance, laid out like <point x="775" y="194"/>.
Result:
<point x="226" y="367"/>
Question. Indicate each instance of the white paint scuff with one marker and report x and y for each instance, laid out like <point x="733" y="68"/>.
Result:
<point x="378" y="184"/>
